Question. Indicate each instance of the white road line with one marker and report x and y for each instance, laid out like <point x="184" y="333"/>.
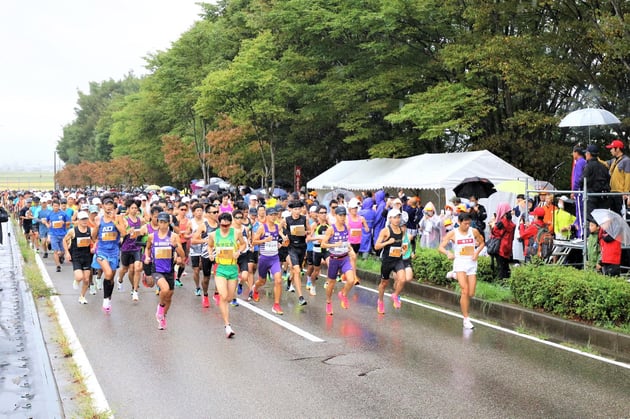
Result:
<point x="511" y="332"/>
<point x="274" y="318"/>
<point x="78" y="354"/>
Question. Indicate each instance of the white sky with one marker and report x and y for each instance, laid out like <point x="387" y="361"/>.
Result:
<point x="51" y="49"/>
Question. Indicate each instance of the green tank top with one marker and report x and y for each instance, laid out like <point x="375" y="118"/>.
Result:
<point x="225" y="247"/>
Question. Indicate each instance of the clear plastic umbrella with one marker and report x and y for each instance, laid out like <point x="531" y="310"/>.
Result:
<point x="614" y="224"/>
<point x="589" y="117"/>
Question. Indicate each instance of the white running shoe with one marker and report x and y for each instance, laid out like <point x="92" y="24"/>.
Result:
<point x="468" y="324"/>
<point x="229" y="332"/>
<point x="107" y="305"/>
<point x="121" y="286"/>
<point x="291" y="288"/>
<point x="134" y="295"/>
<point x="313" y="289"/>
<point x="75" y="284"/>
<point x="99" y="283"/>
<point x="451" y="275"/>
<point x="82" y="300"/>
<point x="92" y="289"/>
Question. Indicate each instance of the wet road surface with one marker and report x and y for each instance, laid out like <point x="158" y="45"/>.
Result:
<point x="414" y="362"/>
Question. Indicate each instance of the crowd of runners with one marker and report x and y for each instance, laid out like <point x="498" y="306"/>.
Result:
<point x="237" y="242"/>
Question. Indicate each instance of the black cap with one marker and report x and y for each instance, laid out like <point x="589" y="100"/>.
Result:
<point x="593" y="149"/>
<point x="271" y="211"/>
<point x="296" y="204"/>
<point x="164" y="217"/>
<point x="340" y="210"/>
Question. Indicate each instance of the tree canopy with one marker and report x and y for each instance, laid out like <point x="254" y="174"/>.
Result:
<point x="256" y="87"/>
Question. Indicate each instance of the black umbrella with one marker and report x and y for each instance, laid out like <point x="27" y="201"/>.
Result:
<point x="474" y="186"/>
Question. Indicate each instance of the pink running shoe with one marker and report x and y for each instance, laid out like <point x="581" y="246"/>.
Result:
<point x="329" y="310"/>
<point x="159" y="316"/>
<point x="217" y="298"/>
<point x="344" y="300"/>
<point x="380" y="307"/>
<point x="396" y="300"/>
<point x="277" y="309"/>
<point x="205" y="301"/>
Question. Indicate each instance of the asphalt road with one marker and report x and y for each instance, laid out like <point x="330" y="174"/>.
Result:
<point x="415" y="362"/>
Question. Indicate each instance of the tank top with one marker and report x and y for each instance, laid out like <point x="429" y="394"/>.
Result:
<point x="464" y="245"/>
<point x="255" y="228"/>
<point x="198" y="249"/>
<point x="209" y="229"/>
<point x="320" y="230"/>
<point x="130" y="242"/>
<point x="297" y="230"/>
<point x="108" y="238"/>
<point x="162" y="253"/>
<point x="356" y="230"/>
<point x="183" y="226"/>
<point x="270" y="248"/>
<point x="393" y="251"/>
<point x="340" y="237"/>
<point x="225" y="247"/>
<point x="80" y="244"/>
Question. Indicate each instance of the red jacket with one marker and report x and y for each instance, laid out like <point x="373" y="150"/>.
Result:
<point x="530" y="231"/>
<point x="611" y="248"/>
<point x="504" y="229"/>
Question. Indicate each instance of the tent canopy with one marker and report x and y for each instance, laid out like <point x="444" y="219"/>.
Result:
<point x="425" y="171"/>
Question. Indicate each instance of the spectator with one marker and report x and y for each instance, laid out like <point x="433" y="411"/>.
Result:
<point x="530" y="230"/>
<point x="592" y="247"/>
<point x="610" y="258"/>
<point x="563" y="220"/>
<point x="430" y="227"/>
<point x="579" y="162"/>
<point x="597" y="180"/>
<point x="619" y="170"/>
<point x="478" y="214"/>
<point x="504" y="229"/>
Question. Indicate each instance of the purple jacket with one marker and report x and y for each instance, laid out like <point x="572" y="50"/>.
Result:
<point x="578" y="168"/>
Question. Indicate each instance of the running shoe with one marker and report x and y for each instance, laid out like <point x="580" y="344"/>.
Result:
<point x="309" y="284"/>
<point x="468" y="324"/>
<point x="277" y="309"/>
<point x="82" y="300"/>
<point x="302" y="301"/>
<point x="159" y="316"/>
<point x="92" y="289"/>
<point x="62" y="259"/>
<point x="329" y="310"/>
<point x="228" y="331"/>
<point x="250" y="295"/>
<point x="313" y="289"/>
<point x="380" y="307"/>
<point x="396" y="301"/>
<point x="198" y="292"/>
<point x="255" y="296"/>
<point x="184" y="274"/>
<point x="107" y="305"/>
<point x="163" y="323"/>
<point x="326" y="285"/>
<point x="75" y="284"/>
<point x="205" y="302"/>
<point x="239" y="289"/>
<point x="451" y="275"/>
<point x="178" y="283"/>
<point x="291" y="288"/>
<point x="344" y="300"/>
<point x="99" y="283"/>
<point x="234" y="302"/>
<point x="58" y="268"/>
<point x="134" y="296"/>
<point x="121" y="286"/>
<point x="45" y="255"/>
<point x="217" y="298"/>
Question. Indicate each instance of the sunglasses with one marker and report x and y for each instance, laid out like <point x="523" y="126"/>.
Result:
<point x="226" y="225"/>
<point x="332" y="208"/>
<point x="213" y="212"/>
<point x="323" y="212"/>
<point x="239" y="217"/>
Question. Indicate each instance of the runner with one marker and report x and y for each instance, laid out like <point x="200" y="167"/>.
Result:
<point x="76" y="244"/>
<point x="26" y="221"/>
<point x="131" y="248"/>
<point x="212" y="217"/>
<point x="184" y="237"/>
<point x="108" y="233"/>
<point x="257" y="218"/>
<point x="467" y="244"/>
<point x="268" y="238"/>
<point x="243" y="260"/>
<point x="56" y="222"/>
<point x="199" y="258"/>
<point x="358" y="226"/>
<point x="336" y="241"/>
<point x="320" y="255"/>
<point x="35" y="209"/>
<point x="298" y="233"/>
<point x="159" y="249"/>
<point x="225" y="245"/>
<point x="43" y="227"/>
<point x="390" y="243"/>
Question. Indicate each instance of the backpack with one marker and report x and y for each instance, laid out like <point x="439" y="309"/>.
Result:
<point x="542" y="244"/>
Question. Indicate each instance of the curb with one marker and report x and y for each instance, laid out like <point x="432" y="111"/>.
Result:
<point x="554" y="329"/>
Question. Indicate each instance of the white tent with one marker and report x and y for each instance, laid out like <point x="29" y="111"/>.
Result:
<point x="425" y="171"/>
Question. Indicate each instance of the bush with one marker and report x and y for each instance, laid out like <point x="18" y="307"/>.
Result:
<point x="572" y="293"/>
<point x="432" y="266"/>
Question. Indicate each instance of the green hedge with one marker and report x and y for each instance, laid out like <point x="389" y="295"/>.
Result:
<point x="560" y="290"/>
<point x="572" y="293"/>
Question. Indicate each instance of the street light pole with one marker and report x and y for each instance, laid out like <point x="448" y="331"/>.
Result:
<point x="55" y="170"/>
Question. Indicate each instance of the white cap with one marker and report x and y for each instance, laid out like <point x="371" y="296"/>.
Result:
<point x="142" y="197"/>
<point x="393" y="213"/>
<point x="563" y="198"/>
<point x="185" y="199"/>
<point x="155" y="198"/>
<point x="96" y="201"/>
<point x="353" y="203"/>
<point x="73" y="196"/>
<point x="313" y="208"/>
<point x="82" y="215"/>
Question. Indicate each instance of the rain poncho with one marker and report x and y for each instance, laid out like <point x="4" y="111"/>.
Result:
<point x="381" y="218"/>
<point x="429" y="227"/>
<point x="370" y="216"/>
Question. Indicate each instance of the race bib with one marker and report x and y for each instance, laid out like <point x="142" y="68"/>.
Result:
<point x="298" y="230"/>
<point x="341" y="248"/>
<point x="225" y="253"/>
<point x="109" y="236"/>
<point x="58" y="224"/>
<point x="317" y="249"/>
<point x="395" y="251"/>
<point x="467" y="251"/>
<point x="355" y="232"/>
<point x="83" y="242"/>
<point x="271" y="246"/>
<point x="163" y="253"/>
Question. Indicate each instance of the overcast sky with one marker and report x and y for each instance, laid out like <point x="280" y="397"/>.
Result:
<point x="51" y="49"/>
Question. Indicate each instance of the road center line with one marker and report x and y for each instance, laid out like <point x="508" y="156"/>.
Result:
<point x="280" y="322"/>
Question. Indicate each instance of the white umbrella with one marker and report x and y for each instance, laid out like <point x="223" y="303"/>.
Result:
<point x="614" y="224"/>
<point x="589" y="117"/>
